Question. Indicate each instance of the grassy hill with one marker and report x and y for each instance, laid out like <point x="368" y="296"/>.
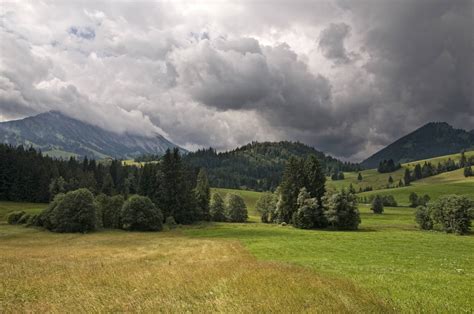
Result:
<point x="452" y="182"/>
<point x="386" y="266"/>
<point x="379" y="181"/>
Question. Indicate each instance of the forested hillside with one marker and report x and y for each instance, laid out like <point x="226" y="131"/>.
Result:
<point x="258" y="166"/>
<point x="431" y="140"/>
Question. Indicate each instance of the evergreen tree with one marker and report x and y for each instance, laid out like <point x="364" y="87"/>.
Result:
<point x="468" y="171"/>
<point x="390" y="180"/>
<point x="377" y="205"/>
<point x="236" y="209"/>
<point x="407" y="177"/>
<point x="108" y="187"/>
<point x="203" y="194"/>
<point x="463" y="161"/>
<point x="217" y="208"/>
<point x="417" y="173"/>
<point x="309" y="214"/>
<point x="359" y="177"/>
<point x="293" y="180"/>
<point x="57" y="186"/>
<point x="315" y="178"/>
<point x="413" y="198"/>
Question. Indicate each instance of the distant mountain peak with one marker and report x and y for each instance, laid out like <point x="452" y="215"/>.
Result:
<point x="61" y="135"/>
<point x="431" y="140"/>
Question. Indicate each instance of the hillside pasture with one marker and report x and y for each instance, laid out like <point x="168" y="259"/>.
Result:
<point x="379" y="181"/>
<point x="452" y="182"/>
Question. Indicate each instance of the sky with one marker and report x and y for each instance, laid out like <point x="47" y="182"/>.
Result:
<point x="347" y="77"/>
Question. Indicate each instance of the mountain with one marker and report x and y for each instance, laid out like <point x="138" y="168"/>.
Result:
<point x="257" y="166"/>
<point x="431" y="140"/>
<point x="58" y="135"/>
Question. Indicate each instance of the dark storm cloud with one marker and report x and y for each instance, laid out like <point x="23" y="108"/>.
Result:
<point x="331" y="42"/>
<point x="344" y="76"/>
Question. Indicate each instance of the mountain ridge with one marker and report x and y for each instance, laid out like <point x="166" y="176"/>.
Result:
<point x="430" y="140"/>
<point x="54" y="131"/>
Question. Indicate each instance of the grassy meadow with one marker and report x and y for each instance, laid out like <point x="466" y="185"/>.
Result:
<point x="386" y="266"/>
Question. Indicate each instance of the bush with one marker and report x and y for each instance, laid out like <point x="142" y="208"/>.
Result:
<point x="377" y="205"/>
<point x="453" y="213"/>
<point x="416" y="200"/>
<point x="23" y="219"/>
<point x="33" y="220"/>
<point x="389" y="200"/>
<point x="14" y="217"/>
<point x="110" y="208"/>
<point x="140" y="214"/>
<point x="341" y="210"/>
<point x="171" y="223"/>
<point x="235" y="208"/>
<point x="423" y="218"/>
<point x="71" y="212"/>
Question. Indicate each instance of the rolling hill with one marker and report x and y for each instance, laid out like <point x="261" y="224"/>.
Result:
<point x="432" y="139"/>
<point x="58" y="135"/>
<point x="378" y="181"/>
<point x="257" y="166"/>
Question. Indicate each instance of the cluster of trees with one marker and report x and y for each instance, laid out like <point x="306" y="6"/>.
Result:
<point x="386" y="166"/>
<point x="230" y="209"/>
<point x="26" y="175"/>
<point x="174" y="187"/>
<point x="451" y="213"/>
<point x="337" y="175"/>
<point x="387" y="200"/>
<point x="301" y="200"/>
<point x="79" y="211"/>
<point x="428" y="169"/>
<point x="416" y="200"/>
<point x="258" y="166"/>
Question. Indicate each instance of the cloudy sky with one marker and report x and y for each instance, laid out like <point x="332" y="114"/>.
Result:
<point x="346" y="77"/>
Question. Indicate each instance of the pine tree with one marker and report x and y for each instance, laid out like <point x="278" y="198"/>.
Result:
<point x="217" y="208"/>
<point x="407" y="177"/>
<point x="390" y="180"/>
<point x="293" y="180"/>
<point x="417" y="173"/>
<point x="314" y="178"/>
<point x="108" y="187"/>
<point x="203" y="194"/>
<point x="377" y="204"/>
<point x="359" y="177"/>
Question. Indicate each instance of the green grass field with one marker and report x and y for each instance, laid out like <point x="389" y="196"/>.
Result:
<point x="386" y="266"/>
<point x="377" y="181"/>
<point x="452" y="182"/>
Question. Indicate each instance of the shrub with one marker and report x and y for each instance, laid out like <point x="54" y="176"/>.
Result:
<point x="171" y="223"/>
<point x="266" y="206"/>
<point x="453" y="213"/>
<point x="14" y="217"/>
<point x="389" y="200"/>
<point x="235" y="208"/>
<point x="23" y="219"/>
<point x="71" y="212"/>
<point x="377" y="205"/>
<point x="340" y="210"/>
<point x="140" y="214"/>
<point x="217" y="208"/>
<point x="110" y="208"/>
<point x="33" y="220"/>
<point x="423" y="218"/>
<point x="416" y="200"/>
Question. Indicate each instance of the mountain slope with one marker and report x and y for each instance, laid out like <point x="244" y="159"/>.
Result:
<point x="257" y="166"/>
<point x="432" y="139"/>
<point x="59" y="135"/>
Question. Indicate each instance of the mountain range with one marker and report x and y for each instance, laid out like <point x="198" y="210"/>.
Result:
<point x="431" y="140"/>
<point x="58" y="135"/>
